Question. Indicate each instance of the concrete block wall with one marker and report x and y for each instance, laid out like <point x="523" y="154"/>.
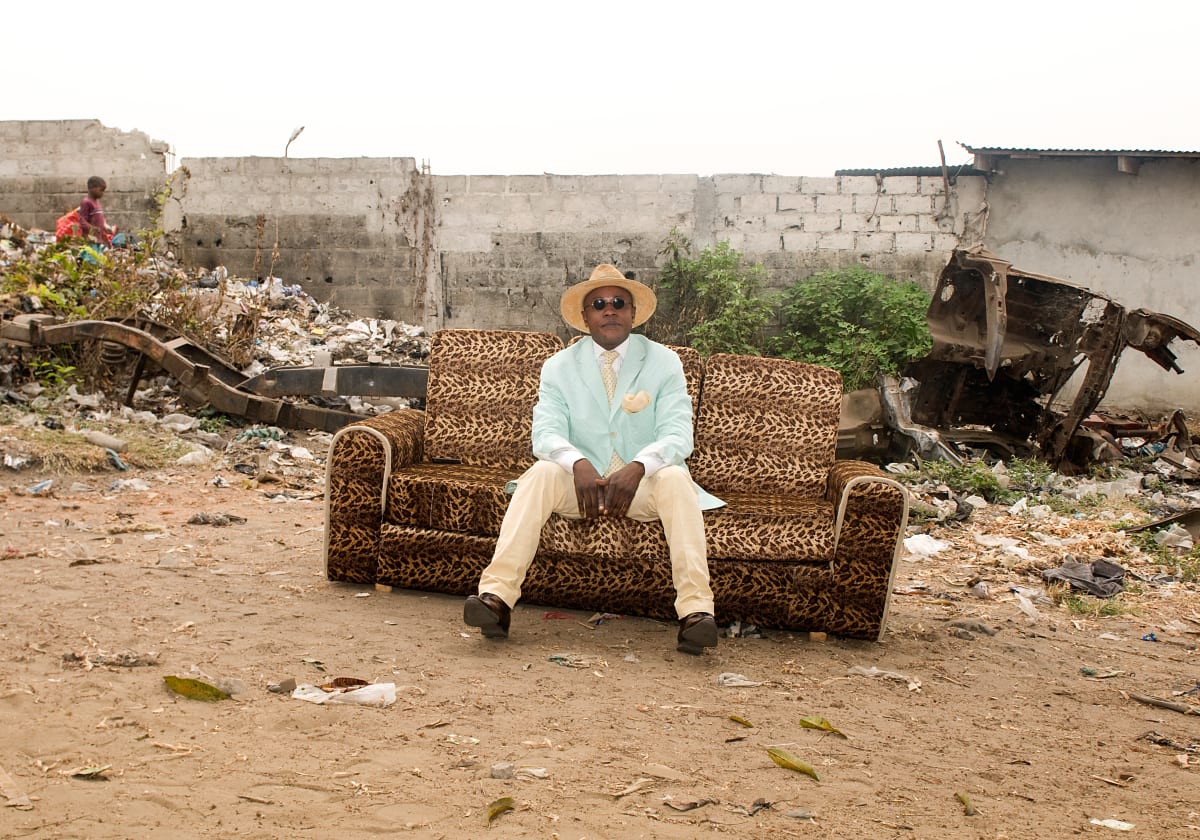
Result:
<point x="903" y="226"/>
<point x="508" y="246"/>
<point x="45" y="164"/>
<point x="345" y="227"/>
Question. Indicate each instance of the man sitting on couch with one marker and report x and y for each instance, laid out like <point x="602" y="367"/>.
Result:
<point x="611" y="429"/>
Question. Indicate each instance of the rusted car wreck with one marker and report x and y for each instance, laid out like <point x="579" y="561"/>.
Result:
<point x="1019" y="362"/>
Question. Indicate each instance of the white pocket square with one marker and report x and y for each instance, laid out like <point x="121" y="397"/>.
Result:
<point x="633" y="403"/>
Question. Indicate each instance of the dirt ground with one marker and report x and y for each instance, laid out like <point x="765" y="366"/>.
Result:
<point x="1031" y="726"/>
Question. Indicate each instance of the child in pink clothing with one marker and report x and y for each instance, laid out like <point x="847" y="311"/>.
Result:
<point x="91" y="215"/>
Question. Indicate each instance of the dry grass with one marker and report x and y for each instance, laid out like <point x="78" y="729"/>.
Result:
<point x="60" y="452"/>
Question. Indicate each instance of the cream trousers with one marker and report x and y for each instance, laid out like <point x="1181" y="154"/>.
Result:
<point x="546" y="488"/>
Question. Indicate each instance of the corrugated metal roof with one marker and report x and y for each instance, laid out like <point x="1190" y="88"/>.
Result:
<point x="928" y="171"/>
<point x="1143" y="153"/>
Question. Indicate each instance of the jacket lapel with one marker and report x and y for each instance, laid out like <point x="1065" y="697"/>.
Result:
<point x="589" y="374"/>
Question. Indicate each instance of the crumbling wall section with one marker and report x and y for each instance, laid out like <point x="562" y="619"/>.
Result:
<point x="354" y="231"/>
<point x="45" y="164"/>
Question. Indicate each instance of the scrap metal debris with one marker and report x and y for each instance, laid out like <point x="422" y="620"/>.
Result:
<point x="1006" y="343"/>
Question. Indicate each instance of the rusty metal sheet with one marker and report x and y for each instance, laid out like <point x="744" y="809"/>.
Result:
<point x="345" y="380"/>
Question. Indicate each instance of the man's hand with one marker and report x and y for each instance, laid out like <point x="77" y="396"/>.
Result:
<point x="622" y="485"/>
<point x="589" y="487"/>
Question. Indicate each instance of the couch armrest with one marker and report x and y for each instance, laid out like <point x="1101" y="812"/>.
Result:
<point x="871" y="516"/>
<point x="361" y="460"/>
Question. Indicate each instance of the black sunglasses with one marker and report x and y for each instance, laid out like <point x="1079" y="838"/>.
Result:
<point x="618" y="303"/>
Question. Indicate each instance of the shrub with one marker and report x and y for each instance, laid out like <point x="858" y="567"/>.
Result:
<point x="855" y="321"/>
<point x="710" y="302"/>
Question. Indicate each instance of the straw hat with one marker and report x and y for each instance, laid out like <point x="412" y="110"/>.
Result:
<point x="571" y="307"/>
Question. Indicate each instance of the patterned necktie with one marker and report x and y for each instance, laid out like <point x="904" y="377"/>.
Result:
<point x="609" y="375"/>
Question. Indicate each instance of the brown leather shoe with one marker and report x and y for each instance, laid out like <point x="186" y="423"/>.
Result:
<point x="490" y="614"/>
<point x="697" y="632"/>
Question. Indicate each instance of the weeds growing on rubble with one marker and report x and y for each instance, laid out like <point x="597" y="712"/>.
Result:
<point x="52" y="372"/>
<point x="1003" y="482"/>
<point x="1087" y="606"/>
<point x="1185" y="564"/>
<point x="61" y="451"/>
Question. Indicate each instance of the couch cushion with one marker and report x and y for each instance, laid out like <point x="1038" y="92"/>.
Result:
<point x="751" y="527"/>
<point x="449" y="497"/>
<point x="770" y="528"/>
<point x="482" y="387"/>
<point x="766" y="425"/>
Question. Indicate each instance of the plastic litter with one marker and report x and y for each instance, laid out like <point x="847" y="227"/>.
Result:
<point x="135" y="484"/>
<point x="1119" y="825"/>
<point x="1175" y="537"/>
<point x="732" y="680"/>
<point x="179" y="423"/>
<point x="1007" y="544"/>
<point x="197" y="457"/>
<point x="924" y="546"/>
<point x="372" y="694"/>
<point x="268" y="433"/>
<point x="912" y="683"/>
<point x="1031" y="612"/>
<point x="104" y="441"/>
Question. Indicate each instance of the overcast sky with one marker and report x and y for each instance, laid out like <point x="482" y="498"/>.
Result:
<point x="615" y="87"/>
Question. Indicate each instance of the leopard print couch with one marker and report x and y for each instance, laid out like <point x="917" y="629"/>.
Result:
<point x="414" y="499"/>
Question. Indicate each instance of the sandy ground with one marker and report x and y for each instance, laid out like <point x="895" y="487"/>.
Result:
<point x="637" y="743"/>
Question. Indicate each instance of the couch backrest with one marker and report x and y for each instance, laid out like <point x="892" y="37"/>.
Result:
<point x="482" y="387"/>
<point x="693" y="372"/>
<point x="766" y="425"/>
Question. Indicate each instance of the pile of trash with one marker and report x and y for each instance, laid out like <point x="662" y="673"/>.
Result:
<point x="250" y="326"/>
<point x="293" y="327"/>
<point x="1016" y="540"/>
<point x="278" y="325"/>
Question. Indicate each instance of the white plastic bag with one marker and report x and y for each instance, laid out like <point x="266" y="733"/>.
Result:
<point x="374" y="694"/>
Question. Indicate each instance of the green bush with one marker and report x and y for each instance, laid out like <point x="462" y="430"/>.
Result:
<point x="855" y="321"/>
<point x="710" y="302"/>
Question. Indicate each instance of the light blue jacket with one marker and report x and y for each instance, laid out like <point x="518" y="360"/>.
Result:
<point x="573" y="410"/>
